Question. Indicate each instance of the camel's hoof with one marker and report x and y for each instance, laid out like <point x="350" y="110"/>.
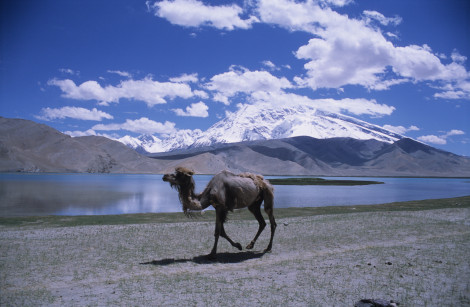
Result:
<point x="239" y="246"/>
<point x="267" y="250"/>
<point x="250" y="246"/>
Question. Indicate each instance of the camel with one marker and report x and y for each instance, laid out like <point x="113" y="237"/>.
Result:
<point x="226" y="192"/>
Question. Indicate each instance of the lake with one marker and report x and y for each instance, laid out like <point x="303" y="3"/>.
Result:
<point x="96" y="194"/>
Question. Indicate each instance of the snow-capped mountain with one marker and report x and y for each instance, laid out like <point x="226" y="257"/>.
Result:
<point x="151" y="144"/>
<point x="255" y="122"/>
<point x="143" y="144"/>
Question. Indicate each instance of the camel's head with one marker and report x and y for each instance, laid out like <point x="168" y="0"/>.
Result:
<point x="182" y="177"/>
<point x="182" y="180"/>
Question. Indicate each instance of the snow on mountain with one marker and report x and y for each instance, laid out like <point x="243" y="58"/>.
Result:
<point x="151" y="144"/>
<point x="265" y="122"/>
<point x="144" y="143"/>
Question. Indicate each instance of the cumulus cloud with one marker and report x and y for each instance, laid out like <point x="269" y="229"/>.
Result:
<point x="120" y="73"/>
<point x="201" y="94"/>
<point x="73" y="112"/>
<point x="77" y="133"/>
<point x="347" y="51"/>
<point x="147" y="90"/>
<point x="142" y="125"/>
<point x="69" y="71"/>
<point x="270" y="65"/>
<point x="441" y="139"/>
<point x="457" y="57"/>
<point x="193" y="13"/>
<point x="456" y="90"/>
<point x="433" y="139"/>
<point x="373" y="15"/>
<point x="400" y="129"/>
<point x="245" y="81"/>
<point x="343" y="50"/>
<point x="199" y="109"/>
<point x="338" y="2"/>
<point x="185" y="78"/>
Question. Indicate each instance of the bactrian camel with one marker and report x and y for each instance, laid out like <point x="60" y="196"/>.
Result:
<point x="225" y="192"/>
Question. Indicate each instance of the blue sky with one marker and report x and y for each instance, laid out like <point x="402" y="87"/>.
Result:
<point x="120" y="67"/>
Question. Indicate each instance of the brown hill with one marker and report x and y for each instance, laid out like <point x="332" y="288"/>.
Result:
<point x="27" y="146"/>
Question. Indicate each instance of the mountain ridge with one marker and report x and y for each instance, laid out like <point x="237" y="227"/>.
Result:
<point x="26" y="146"/>
<point x="327" y="157"/>
<point x="265" y="122"/>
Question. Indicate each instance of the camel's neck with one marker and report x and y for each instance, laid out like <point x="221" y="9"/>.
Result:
<point x="189" y="199"/>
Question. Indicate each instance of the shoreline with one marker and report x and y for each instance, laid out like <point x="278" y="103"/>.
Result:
<point x="241" y="214"/>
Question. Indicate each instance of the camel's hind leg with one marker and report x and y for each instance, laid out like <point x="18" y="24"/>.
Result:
<point x="256" y="210"/>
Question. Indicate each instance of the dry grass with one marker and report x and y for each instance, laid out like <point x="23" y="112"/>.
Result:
<point x="418" y="258"/>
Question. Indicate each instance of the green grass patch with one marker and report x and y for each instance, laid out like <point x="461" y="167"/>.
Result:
<point x="243" y="214"/>
<point x="320" y="181"/>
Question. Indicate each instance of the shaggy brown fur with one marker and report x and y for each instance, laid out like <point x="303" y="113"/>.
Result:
<point x="225" y="192"/>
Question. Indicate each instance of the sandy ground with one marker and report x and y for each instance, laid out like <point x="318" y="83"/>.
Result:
<point x="415" y="258"/>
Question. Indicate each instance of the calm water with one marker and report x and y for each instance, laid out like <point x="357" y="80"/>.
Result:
<point x="92" y="194"/>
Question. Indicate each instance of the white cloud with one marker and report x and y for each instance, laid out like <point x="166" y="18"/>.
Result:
<point x="343" y="50"/>
<point x="373" y="15"/>
<point x="454" y="132"/>
<point x="195" y="110"/>
<point x="147" y="90"/>
<point x="73" y="112"/>
<point x="185" y="78"/>
<point x="455" y="90"/>
<point x="353" y="106"/>
<point x="142" y="125"/>
<point x="433" y="139"/>
<point x="69" y="71"/>
<point x="81" y="133"/>
<point x="270" y="65"/>
<point x="338" y="2"/>
<point x="291" y="15"/>
<point x="391" y="35"/>
<point x="442" y="139"/>
<point x="201" y="94"/>
<point x="347" y="51"/>
<point x="193" y="13"/>
<point x="457" y="57"/>
<point x="232" y="82"/>
<point x="120" y="73"/>
<point x="400" y="129"/>
<point x="221" y="98"/>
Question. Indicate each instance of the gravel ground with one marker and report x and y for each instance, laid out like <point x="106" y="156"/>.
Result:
<point x="415" y="258"/>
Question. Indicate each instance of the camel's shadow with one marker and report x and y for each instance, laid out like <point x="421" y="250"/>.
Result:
<point x="204" y="259"/>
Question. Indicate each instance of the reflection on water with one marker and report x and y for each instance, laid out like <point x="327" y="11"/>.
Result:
<point x="42" y="198"/>
<point x="93" y="194"/>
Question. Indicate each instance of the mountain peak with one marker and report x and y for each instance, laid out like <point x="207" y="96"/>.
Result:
<point x="267" y="122"/>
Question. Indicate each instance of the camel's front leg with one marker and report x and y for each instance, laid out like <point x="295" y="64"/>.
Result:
<point x="220" y="215"/>
<point x="224" y="235"/>
<point x="218" y="224"/>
